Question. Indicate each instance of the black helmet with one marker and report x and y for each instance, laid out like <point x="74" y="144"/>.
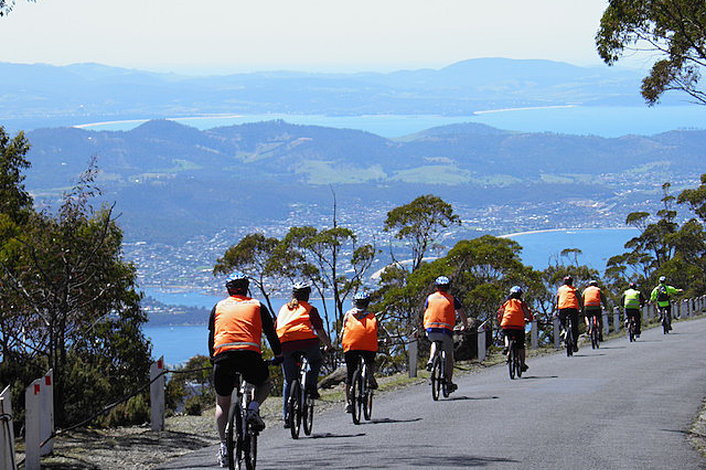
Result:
<point x="568" y="280"/>
<point x="633" y="285"/>
<point x="237" y="281"/>
<point x="593" y="283"/>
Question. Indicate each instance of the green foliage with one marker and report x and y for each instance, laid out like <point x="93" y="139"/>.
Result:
<point x="135" y="411"/>
<point x="673" y="29"/>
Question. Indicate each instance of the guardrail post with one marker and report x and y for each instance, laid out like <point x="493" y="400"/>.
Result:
<point x="616" y="319"/>
<point x="46" y="425"/>
<point x="557" y="333"/>
<point x="412" y="357"/>
<point x="645" y="312"/>
<point x="482" y="353"/>
<point x="7" y="433"/>
<point x="606" y="326"/>
<point x="157" y="394"/>
<point x="535" y="335"/>
<point x="32" y="425"/>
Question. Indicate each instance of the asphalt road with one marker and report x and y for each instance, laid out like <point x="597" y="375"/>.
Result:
<point x="624" y="406"/>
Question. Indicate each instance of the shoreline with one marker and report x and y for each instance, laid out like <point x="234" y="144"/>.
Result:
<point x="548" y="230"/>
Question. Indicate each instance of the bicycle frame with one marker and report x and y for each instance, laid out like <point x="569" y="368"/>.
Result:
<point x="439" y="376"/>
<point x="241" y="439"/>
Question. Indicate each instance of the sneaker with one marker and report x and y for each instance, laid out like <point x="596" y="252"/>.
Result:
<point x="222" y="455"/>
<point x="286" y="424"/>
<point x="562" y="334"/>
<point x="255" y="421"/>
<point x="429" y="366"/>
<point x="525" y="367"/>
<point x="313" y="393"/>
<point x="451" y="387"/>
<point x="576" y="348"/>
<point x="505" y="350"/>
<point x="372" y="383"/>
<point x="349" y="408"/>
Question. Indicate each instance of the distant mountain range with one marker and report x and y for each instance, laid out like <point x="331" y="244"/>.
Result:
<point x="173" y="182"/>
<point x="40" y="95"/>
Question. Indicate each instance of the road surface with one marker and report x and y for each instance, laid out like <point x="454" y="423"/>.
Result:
<point x="624" y="406"/>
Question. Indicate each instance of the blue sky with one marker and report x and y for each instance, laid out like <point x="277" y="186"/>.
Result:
<point x="318" y="35"/>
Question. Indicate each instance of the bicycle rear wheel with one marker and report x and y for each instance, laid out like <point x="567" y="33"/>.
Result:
<point x="511" y="360"/>
<point x="307" y="413"/>
<point x="436" y="378"/>
<point x="595" y="334"/>
<point x="569" y="339"/>
<point x="368" y="404"/>
<point x="294" y="412"/>
<point x="232" y="430"/>
<point x="357" y="396"/>
<point x="250" y="449"/>
<point x="665" y="323"/>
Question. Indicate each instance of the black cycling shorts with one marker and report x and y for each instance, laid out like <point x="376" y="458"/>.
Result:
<point x="518" y="335"/>
<point x="250" y="365"/>
<point x="351" y="358"/>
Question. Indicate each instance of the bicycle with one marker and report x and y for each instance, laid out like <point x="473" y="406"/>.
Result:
<point x="665" y="319"/>
<point x="569" y="339"/>
<point x="438" y="372"/>
<point x="300" y="406"/>
<point x="595" y="332"/>
<point x="514" y="364"/>
<point x="631" y="327"/>
<point x="361" y="394"/>
<point x="241" y="437"/>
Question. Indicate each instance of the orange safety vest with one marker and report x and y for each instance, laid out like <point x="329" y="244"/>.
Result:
<point x="440" y="312"/>
<point x="295" y="324"/>
<point x="513" y="314"/>
<point x="360" y="334"/>
<point x="237" y="325"/>
<point x="567" y="297"/>
<point x="592" y="297"/>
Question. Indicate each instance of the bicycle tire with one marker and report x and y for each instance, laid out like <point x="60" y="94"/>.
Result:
<point x="356" y="396"/>
<point x="368" y="404"/>
<point x="294" y="415"/>
<point x="250" y="449"/>
<point x="595" y="334"/>
<point x="435" y="378"/>
<point x="307" y="413"/>
<point x="511" y="360"/>
<point x="569" y="338"/>
<point x="232" y="426"/>
<point x="444" y="374"/>
<point x="665" y="322"/>
<point x="518" y="363"/>
<point x="631" y="331"/>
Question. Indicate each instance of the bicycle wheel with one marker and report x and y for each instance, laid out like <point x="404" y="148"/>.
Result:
<point x="356" y="396"/>
<point x="569" y="339"/>
<point x="665" y="323"/>
<point x="307" y="413"/>
<point x="444" y="374"/>
<point x="368" y="404"/>
<point x="232" y="430"/>
<point x="250" y="449"/>
<point x="294" y="414"/>
<point x="595" y="334"/>
<point x="436" y="378"/>
<point x="511" y="360"/>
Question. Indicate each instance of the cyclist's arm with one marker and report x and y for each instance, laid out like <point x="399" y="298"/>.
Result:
<point x="211" y="330"/>
<point x="527" y="312"/>
<point x="653" y="294"/>
<point x="268" y="327"/>
<point x="460" y="312"/>
<point x="318" y="325"/>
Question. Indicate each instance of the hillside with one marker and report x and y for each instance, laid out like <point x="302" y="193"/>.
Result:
<point x="169" y="173"/>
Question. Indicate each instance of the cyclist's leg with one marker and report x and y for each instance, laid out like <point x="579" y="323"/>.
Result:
<point x="351" y="359"/>
<point x="563" y="315"/>
<point x="290" y="370"/>
<point x="224" y="382"/>
<point x="506" y="339"/>
<point x="668" y="312"/>
<point x="575" y="324"/>
<point x="447" y="344"/>
<point x="599" y="322"/>
<point x="313" y="355"/>
<point x="432" y="349"/>
<point x="369" y="358"/>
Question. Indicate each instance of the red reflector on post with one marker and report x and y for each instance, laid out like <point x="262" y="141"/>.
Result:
<point x="47" y="380"/>
<point x="36" y="389"/>
<point x="159" y="364"/>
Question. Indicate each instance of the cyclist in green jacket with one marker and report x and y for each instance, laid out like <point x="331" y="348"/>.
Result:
<point x="632" y="300"/>
<point x="662" y="295"/>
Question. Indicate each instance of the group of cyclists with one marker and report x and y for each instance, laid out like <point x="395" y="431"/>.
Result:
<point x="237" y="323"/>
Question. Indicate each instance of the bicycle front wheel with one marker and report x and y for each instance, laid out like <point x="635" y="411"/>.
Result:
<point x="307" y="413"/>
<point x="436" y="379"/>
<point x="511" y="362"/>
<point x="367" y="398"/>
<point x="294" y="412"/>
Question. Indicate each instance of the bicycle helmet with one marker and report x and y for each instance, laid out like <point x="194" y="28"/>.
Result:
<point x="568" y="280"/>
<point x="443" y="282"/>
<point x="593" y="283"/>
<point x="632" y="285"/>
<point x="516" y="290"/>
<point x="301" y="290"/>
<point x="237" y="281"/>
<point x="662" y="279"/>
<point x="361" y="299"/>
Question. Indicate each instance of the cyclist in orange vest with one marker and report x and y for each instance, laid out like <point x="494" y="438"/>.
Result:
<point x="440" y="311"/>
<point x="593" y="303"/>
<point x="512" y="315"/>
<point x="359" y="337"/>
<point x="301" y="331"/>
<point x="568" y="304"/>
<point x="235" y="330"/>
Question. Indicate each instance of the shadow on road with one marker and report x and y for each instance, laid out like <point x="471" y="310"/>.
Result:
<point x="539" y="377"/>
<point x="588" y="355"/>
<point x="612" y="347"/>
<point x="464" y="397"/>
<point x="392" y="421"/>
<point x="328" y="435"/>
<point x="460" y="461"/>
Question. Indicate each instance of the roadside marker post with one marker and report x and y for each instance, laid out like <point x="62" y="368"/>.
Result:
<point x="33" y="413"/>
<point x="482" y="353"/>
<point x="557" y="333"/>
<point x="157" y="394"/>
<point x="46" y="425"/>
<point x="616" y="319"/>
<point x="535" y="335"/>
<point x="412" y="357"/>
<point x="606" y="326"/>
<point x="7" y="433"/>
